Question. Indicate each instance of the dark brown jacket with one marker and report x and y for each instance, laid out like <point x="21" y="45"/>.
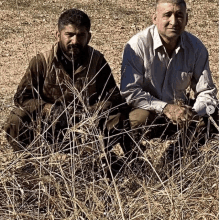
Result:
<point x="47" y="81"/>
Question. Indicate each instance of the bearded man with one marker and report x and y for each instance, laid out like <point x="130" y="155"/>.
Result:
<point x="160" y="64"/>
<point x="64" y="85"/>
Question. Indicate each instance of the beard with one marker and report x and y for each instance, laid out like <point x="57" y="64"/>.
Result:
<point x="75" y="50"/>
<point x="72" y="51"/>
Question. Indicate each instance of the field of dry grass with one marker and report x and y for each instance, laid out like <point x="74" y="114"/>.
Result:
<point x="77" y="186"/>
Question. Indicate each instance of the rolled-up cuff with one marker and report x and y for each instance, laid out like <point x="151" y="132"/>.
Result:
<point x="205" y="108"/>
<point x="155" y="105"/>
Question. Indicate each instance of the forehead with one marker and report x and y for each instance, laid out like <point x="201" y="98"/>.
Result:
<point x="74" y="29"/>
<point x="168" y="6"/>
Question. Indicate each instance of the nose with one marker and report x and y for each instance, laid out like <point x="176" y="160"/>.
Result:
<point x="173" y="20"/>
<point x="74" y="39"/>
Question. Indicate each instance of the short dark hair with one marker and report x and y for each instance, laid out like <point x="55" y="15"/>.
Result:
<point x="172" y="1"/>
<point x="75" y="17"/>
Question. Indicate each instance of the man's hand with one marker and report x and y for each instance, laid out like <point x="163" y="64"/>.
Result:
<point x="178" y="114"/>
<point x="55" y="114"/>
<point x="102" y="105"/>
<point x="47" y="110"/>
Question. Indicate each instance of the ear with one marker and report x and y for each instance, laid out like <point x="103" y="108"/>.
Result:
<point x="89" y="37"/>
<point x="186" y="18"/>
<point x="154" y="18"/>
<point x="58" y="35"/>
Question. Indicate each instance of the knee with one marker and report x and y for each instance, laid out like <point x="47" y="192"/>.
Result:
<point x="138" y="117"/>
<point x="12" y="127"/>
<point x="12" y="124"/>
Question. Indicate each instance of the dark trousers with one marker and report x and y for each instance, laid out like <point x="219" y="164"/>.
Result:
<point x="142" y="120"/>
<point x="19" y="131"/>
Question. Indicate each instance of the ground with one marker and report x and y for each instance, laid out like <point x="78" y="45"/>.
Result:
<point x="29" y="26"/>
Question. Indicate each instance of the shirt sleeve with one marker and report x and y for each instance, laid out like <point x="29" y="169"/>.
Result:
<point x="132" y="80"/>
<point x="202" y="84"/>
<point x="30" y="89"/>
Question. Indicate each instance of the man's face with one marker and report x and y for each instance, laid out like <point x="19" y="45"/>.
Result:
<point x="170" y="20"/>
<point x="73" y="40"/>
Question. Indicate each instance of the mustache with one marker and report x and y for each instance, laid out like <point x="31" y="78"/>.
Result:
<point x="74" y="47"/>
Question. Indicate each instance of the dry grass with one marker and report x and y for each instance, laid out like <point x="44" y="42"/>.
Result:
<point x="44" y="184"/>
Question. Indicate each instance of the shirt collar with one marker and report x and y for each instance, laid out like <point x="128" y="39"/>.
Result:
<point x="182" y="40"/>
<point x="158" y="43"/>
<point x="156" y="38"/>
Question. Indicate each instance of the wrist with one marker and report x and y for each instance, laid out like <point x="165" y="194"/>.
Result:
<point x="165" y="108"/>
<point x="47" y="109"/>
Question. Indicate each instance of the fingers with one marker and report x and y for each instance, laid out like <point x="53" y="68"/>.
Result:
<point x="178" y="114"/>
<point x="182" y="114"/>
<point x="47" y="110"/>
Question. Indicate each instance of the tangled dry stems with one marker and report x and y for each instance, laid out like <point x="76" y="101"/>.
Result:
<point x="76" y="179"/>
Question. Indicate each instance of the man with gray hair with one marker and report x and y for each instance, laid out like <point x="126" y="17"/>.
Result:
<point x="160" y="64"/>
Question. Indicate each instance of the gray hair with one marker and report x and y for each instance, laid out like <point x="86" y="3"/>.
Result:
<point x="171" y="1"/>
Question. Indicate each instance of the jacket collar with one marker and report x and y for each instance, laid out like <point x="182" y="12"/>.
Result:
<point x="84" y="61"/>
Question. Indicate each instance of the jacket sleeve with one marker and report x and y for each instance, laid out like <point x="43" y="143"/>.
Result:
<point x="132" y="80"/>
<point x="202" y="84"/>
<point x="106" y="86"/>
<point x="30" y="90"/>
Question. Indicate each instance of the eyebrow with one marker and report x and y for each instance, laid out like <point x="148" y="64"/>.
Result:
<point x="178" y="11"/>
<point x="69" y="32"/>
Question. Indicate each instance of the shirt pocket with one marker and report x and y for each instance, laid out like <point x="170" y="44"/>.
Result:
<point x="182" y="80"/>
<point x="54" y="86"/>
